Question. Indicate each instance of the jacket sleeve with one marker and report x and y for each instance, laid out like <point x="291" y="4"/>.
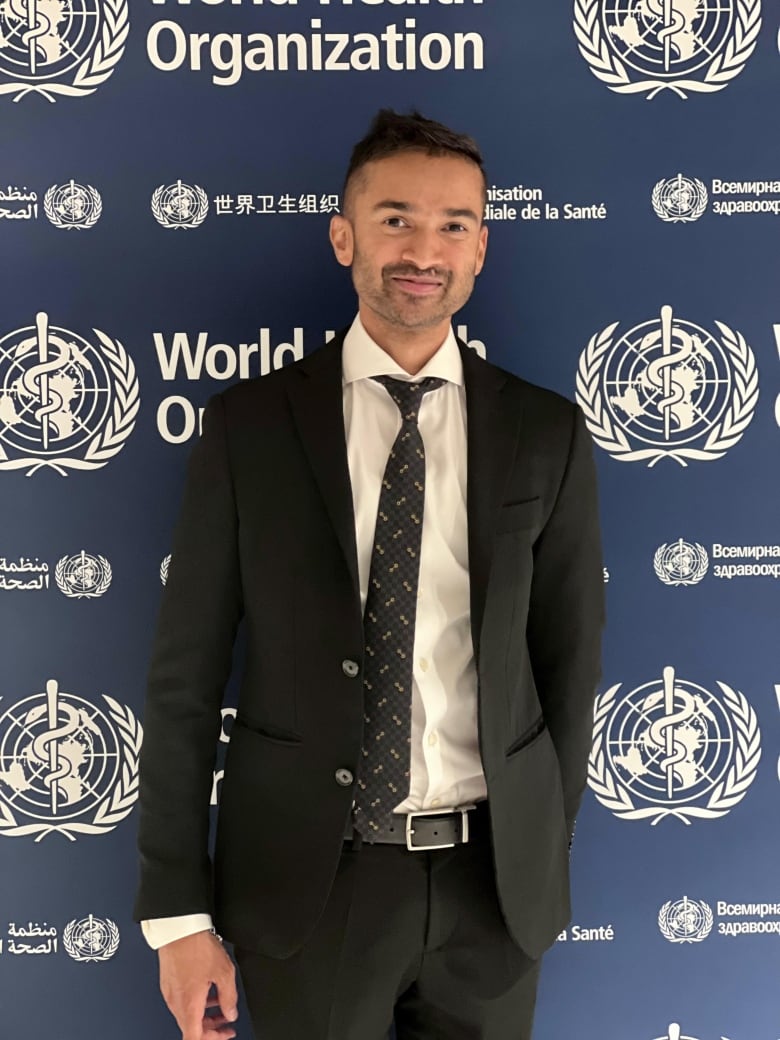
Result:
<point x="566" y="616"/>
<point x="190" y="665"/>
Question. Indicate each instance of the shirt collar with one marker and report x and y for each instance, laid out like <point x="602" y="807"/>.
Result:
<point x="363" y="358"/>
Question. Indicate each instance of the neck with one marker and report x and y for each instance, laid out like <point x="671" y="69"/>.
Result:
<point x="412" y="349"/>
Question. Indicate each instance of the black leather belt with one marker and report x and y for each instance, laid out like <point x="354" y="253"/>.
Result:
<point x="432" y="828"/>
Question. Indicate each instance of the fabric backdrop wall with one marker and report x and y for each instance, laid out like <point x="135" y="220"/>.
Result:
<point x="167" y="177"/>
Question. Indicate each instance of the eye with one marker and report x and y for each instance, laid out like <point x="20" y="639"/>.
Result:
<point x="395" y="222"/>
<point x="455" y="227"/>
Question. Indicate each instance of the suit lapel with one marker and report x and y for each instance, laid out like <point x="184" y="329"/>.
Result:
<point x="493" y="422"/>
<point x="316" y="399"/>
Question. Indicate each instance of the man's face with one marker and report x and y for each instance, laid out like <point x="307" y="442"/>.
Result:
<point x="414" y="238"/>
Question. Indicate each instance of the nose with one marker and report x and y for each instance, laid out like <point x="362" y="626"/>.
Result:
<point x="423" y="249"/>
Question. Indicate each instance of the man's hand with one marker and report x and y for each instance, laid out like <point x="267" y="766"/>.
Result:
<point x="188" y="969"/>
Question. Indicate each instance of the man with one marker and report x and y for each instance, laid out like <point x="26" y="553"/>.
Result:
<point x="410" y="535"/>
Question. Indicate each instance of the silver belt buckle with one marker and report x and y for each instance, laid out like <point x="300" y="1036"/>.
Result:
<point x="464" y="827"/>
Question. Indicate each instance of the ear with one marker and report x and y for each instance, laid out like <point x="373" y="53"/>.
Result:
<point x="481" y="249"/>
<point x="342" y="239"/>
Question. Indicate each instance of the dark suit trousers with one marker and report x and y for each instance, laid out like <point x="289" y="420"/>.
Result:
<point x="415" y="937"/>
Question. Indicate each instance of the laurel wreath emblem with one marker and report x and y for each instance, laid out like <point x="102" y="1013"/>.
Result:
<point x="87" y="222"/>
<point x="96" y="69"/>
<point x="164" y="567"/>
<point x="696" y="575"/>
<point x="606" y="66"/>
<point x="103" y="955"/>
<point x="117" y="428"/>
<point x="101" y="586"/>
<point x="679" y="218"/>
<point x="197" y="218"/>
<point x="667" y="928"/>
<point x="114" y="808"/>
<point x="723" y="435"/>
<point x="723" y="797"/>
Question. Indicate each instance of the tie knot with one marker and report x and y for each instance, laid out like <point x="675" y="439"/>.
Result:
<point x="408" y="396"/>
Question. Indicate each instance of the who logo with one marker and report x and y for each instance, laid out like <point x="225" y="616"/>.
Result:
<point x="60" y="48"/>
<point x="91" y="939"/>
<point x="667" y="389"/>
<point x="83" y="575"/>
<point x="672" y="748"/>
<point x="680" y="563"/>
<point x="72" y="206"/>
<point x="65" y="402"/>
<point x="67" y="765"/>
<point x="652" y="46"/>
<point x="179" y="206"/>
<point x="685" y="920"/>
<point x="679" y="200"/>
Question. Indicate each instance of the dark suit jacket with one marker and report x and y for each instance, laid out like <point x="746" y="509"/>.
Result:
<point x="266" y="533"/>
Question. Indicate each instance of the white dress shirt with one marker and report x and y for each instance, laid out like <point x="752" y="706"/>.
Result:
<point x="445" y="768"/>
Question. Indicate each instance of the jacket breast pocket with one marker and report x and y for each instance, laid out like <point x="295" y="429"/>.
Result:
<point x="518" y="516"/>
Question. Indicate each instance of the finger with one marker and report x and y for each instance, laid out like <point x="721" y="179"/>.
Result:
<point x="190" y="1019"/>
<point x="190" y="1032"/>
<point x="213" y="1027"/>
<point x="227" y="994"/>
<point x="219" y="1018"/>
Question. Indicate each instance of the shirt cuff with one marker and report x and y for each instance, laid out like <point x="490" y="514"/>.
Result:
<point x="163" y="930"/>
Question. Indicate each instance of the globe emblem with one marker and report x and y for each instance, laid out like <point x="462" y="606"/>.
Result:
<point x="667" y="382"/>
<point x="679" y="199"/>
<point x="681" y="562"/>
<point x="73" y="205"/>
<point x="685" y="920"/>
<point x="54" y="390"/>
<point x="59" y="757"/>
<point x="670" y="741"/>
<point x="91" y="939"/>
<point x="672" y="748"/>
<point x="667" y="389"/>
<point x="653" y="46"/>
<point x="667" y="39"/>
<point x="179" y="205"/>
<point x="46" y="39"/>
<point x="61" y="396"/>
<point x="83" y="576"/>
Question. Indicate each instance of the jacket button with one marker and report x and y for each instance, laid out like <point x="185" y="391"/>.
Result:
<point x="344" y="777"/>
<point x="350" y="668"/>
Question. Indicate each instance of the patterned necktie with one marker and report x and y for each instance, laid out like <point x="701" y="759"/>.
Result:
<point x="388" y="623"/>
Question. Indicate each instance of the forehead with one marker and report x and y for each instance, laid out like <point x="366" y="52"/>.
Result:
<point x="444" y="181"/>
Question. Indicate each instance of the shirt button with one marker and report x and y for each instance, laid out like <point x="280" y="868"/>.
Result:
<point x="350" y="668"/>
<point x="424" y="664"/>
<point x="435" y="803"/>
<point x="344" y="777"/>
<point x="433" y="739"/>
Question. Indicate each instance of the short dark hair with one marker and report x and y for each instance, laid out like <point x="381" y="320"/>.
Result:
<point x="391" y="133"/>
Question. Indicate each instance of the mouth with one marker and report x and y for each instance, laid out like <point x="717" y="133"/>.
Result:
<point x="417" y="286"/>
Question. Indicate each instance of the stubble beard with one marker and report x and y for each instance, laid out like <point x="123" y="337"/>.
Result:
<point x="402" y="310"/>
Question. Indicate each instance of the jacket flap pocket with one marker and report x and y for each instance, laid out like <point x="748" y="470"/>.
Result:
<point x="526" y="739"/>
<point x="271" y="733"/>
<point x="516" y="515"/>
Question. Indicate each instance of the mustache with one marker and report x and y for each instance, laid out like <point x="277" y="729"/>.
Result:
<point x="412" y="271"/>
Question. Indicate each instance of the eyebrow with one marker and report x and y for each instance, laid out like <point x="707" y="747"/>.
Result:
<point x="405" y="207"/>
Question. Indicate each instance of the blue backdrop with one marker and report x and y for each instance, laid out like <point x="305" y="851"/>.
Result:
<point x="167" y="178"/>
